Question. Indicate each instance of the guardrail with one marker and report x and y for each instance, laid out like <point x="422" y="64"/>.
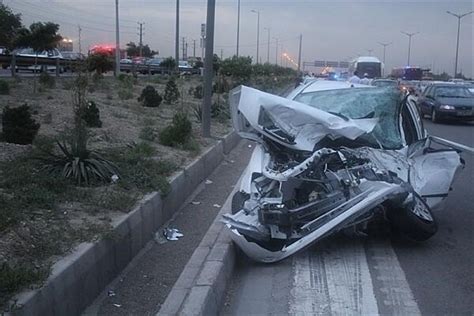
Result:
<point x="22" y="63"/>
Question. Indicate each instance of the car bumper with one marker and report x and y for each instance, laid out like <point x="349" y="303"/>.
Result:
<point x="464" y="115"/>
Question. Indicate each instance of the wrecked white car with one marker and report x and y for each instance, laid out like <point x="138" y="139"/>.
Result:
<point x="329" y="157"/>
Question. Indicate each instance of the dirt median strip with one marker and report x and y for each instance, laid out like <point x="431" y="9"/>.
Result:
<point x="78" y="278"/>
<point x="201" y="286"/>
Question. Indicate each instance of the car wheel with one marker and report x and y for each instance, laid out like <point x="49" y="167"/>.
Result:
<point x="416" y="222"/>
<point x="238" y="201"/>
<point x="434" y="116"/>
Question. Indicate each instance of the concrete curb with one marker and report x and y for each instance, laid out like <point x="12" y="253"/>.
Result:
<point x="201" y="286"/>
<point x="77" y="279"/>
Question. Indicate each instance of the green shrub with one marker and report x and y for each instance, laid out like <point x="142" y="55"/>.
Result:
<point x="91" y="115"/>
<point x="150" y="97"/>
<point x="4" y="87"/>
<point x="99" y="63"/>
<point x="171" y="92"/>
<point x="18" y="126"/>
<point x="148" y="133"/>
<point x="46" y="80"/>
<point x="125" y="91"/>
<point x="168" y="63"/>
<point x="197" y="92"/>
<point x="178" y="133"/>
<point x="239" y="68"/>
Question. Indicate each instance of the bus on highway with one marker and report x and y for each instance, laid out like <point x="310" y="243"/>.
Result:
<point x="369" y="65"/>
<point x="407" y="73"/>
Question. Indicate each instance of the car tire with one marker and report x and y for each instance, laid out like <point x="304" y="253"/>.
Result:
<point x="411" y="224"/>
<point x="238" y="201"/>
<point x="434" y="116"/>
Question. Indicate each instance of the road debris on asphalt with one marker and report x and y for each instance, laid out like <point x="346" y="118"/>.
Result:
<point x="208" y="181"/>
<point x="172" y="234"/>
<point x="217" y="205"/>
<point x="111" y="293"/>
<point x="196" y="203"/>
<point x="117" y="305"/>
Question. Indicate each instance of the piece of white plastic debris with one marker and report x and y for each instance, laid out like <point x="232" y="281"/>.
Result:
<point x="196" y="203"/>
<point x="117" y="305"/>
<point x="250" y="146"/>
<point x="172" y="234"/>
<point x="217" y="205"/>
<point x="208" y="181"/>
<point x="111" y="293"/>
<point x="114" y="178"/>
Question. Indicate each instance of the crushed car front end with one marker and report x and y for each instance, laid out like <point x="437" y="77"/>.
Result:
<point x="314" y="172"/>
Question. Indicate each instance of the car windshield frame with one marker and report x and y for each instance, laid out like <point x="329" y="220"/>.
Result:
<point x="359" y="103"/>
<point x="466" y="93"/>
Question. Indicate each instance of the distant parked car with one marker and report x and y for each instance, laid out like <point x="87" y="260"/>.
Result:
<point x="384" y="83"/>
<point x="443" y="101"/>
<point x="73" y="56"/>
<point x="29" y="52"/>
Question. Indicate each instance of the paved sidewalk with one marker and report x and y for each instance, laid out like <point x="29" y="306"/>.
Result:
<point x="146" y="282"/>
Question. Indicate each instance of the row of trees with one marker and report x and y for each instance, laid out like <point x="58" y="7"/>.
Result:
<point x="39" y="36"/>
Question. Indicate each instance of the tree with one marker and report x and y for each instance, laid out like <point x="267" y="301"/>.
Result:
<point x="99" y="63"/>
<point x="40" y="37"/>
<point x="10" y="24"/>
<point x="134" y="50"/>
<point x="168" y="63"/>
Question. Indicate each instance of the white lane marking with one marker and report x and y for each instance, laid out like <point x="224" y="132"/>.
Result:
<point x="391" y="280"/>
<point x="333" y="279"/>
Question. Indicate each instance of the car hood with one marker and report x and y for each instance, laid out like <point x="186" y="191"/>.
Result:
<point x="303" y="125"/>
<point x="457" y="101"/>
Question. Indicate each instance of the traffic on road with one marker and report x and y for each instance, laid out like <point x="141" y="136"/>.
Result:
<point x="267" y="157"/>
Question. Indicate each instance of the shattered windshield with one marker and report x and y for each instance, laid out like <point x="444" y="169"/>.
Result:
<point x="355" y="103"/>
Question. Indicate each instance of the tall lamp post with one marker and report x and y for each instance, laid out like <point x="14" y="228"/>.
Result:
<point x="459" y="16"/>
<point x="117" y="39"/>
<point x="176" y="42"/>
<point x="258" y="30"/>
<point x="238" y="27"/>
<point x="410" y="35"/>
<point x="268" y="44"/>
<point x="384" y="47"/>
<point x="276" y="51"/>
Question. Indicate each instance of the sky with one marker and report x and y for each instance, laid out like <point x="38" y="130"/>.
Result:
<point x="331" y="30"/>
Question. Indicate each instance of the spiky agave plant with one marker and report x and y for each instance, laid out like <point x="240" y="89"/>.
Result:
<point x="74" y="160"/>
<point x="83" y="167"/>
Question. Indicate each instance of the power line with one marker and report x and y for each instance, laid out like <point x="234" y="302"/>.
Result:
<point x="36" y="15"/>
<point x="64" y="15"/>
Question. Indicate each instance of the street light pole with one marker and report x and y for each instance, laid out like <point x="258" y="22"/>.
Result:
<point x="258" y="30"/>
<point x="459" y="16"/>
<point x="299" y="53"/>
<point x="384" y="47"/>
<point x="268" y="44"/>
<point x="176" y="44"/>
<point x="208" y="69"/>
<point x="410" y="35"/>
<point x="276" y="51"/>
<point x="370" y="51"/>
<point x="117" y="39"/>
<point x="238" y="27"/>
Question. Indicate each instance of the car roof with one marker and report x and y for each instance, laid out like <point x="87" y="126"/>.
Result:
<point x="322" y="85"/>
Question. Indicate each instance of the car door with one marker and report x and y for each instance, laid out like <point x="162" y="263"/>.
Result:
<point x="431" y="170"/>
<point x="424" y="100"/>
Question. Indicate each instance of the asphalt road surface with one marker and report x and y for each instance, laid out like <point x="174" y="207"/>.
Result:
<point x="380" y="274"/>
